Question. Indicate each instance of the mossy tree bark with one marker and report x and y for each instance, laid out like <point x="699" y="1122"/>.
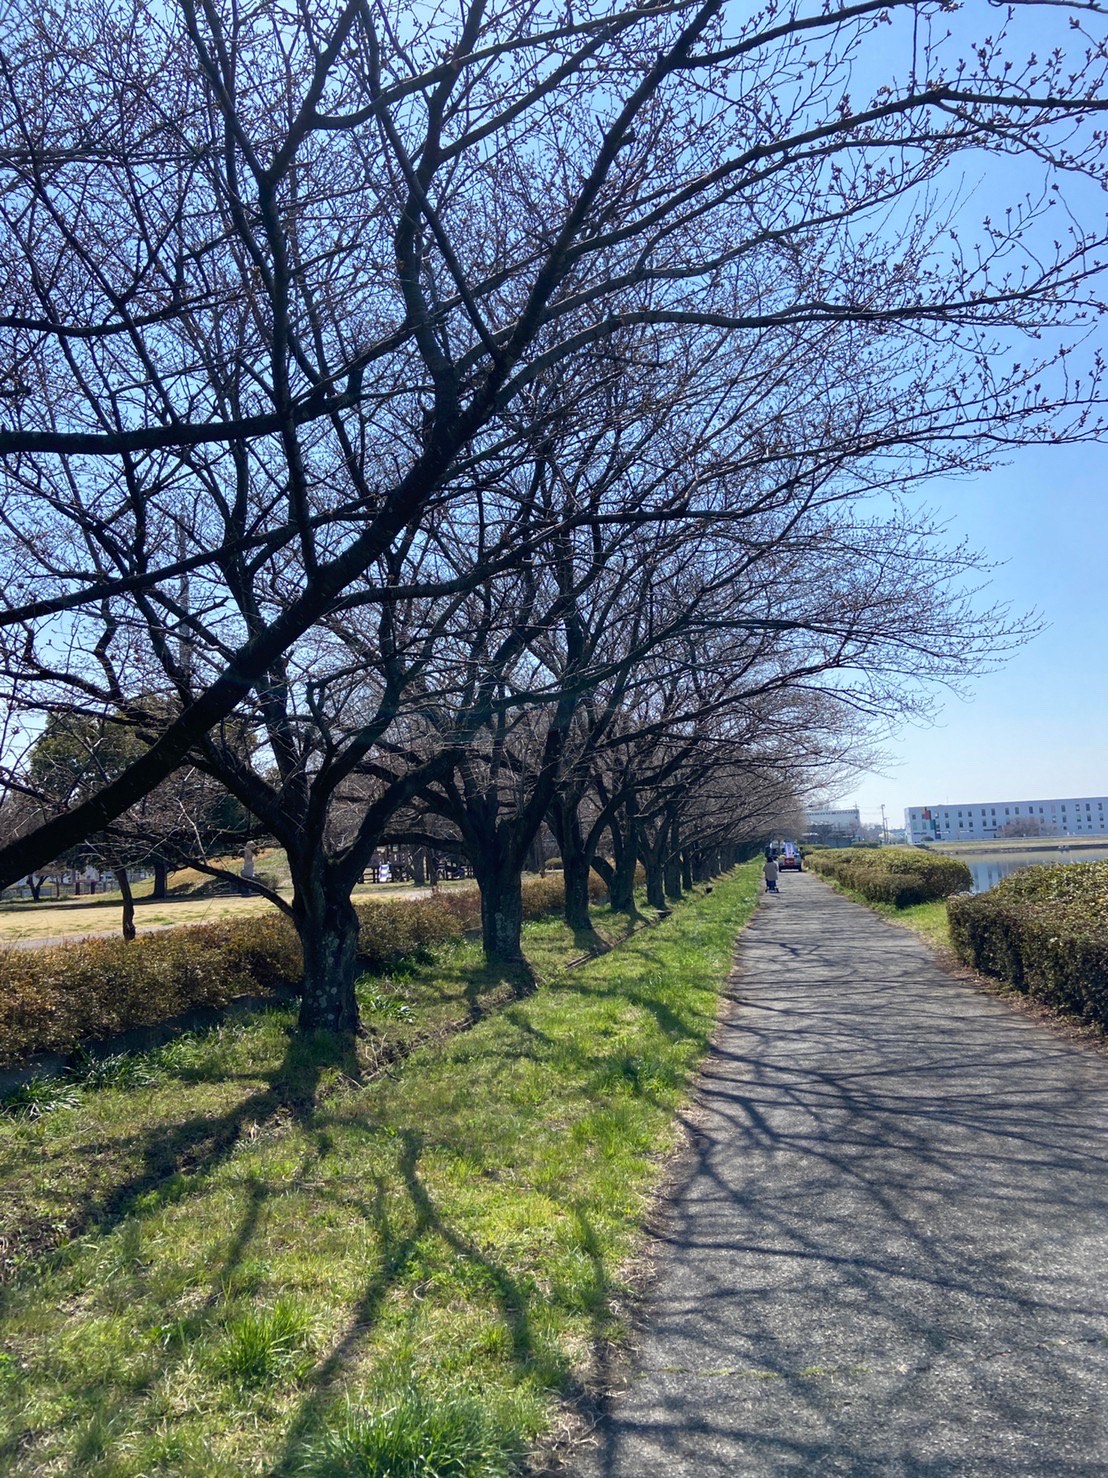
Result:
<point x="500" y="879"/>
<point x="327" y="925"/>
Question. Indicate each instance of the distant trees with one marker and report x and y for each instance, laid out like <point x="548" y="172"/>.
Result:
<point x="1027" y="826"/>
<point x="445" y="409"/>
<point x="181" y="822"/>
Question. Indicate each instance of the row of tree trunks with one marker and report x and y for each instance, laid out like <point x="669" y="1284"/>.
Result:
<point x="327" y="923"/>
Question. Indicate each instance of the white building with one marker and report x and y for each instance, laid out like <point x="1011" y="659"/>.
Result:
<point x="845" y="822"/>
<point x="1076" y="816"/>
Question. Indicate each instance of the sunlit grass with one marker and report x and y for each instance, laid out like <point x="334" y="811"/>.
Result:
<point x="194" y="898"/>
<point x="282" y="1269"/>
<point x="929" y="920"/>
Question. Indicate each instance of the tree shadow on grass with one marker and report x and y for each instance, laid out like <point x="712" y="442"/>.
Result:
<point x="512" y="1297"/>
<point x="589" y="942"/>
<point x="202" y="1143"/>
<point x="192" y="1146"/>
<point x="489" y="986"/>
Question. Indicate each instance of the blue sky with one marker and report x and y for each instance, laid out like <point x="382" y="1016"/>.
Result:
<point x="1039" y="726"/>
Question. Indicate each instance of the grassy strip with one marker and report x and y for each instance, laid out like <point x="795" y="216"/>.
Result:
<point x="76" y="1151"/>
<point x="390" y="1277"/>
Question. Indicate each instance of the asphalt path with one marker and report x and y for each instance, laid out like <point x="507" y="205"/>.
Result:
<point x="888" y="1252"/>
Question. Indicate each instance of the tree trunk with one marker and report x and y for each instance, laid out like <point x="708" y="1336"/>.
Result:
<point x="419" y="867"/>
<point x="128" y="901"/>
<point x="671" y="868"/>
<point x="500" y="883"/>
<point x="575" y="868"/>
<point x="161" y="879"/>
<point x="686" y="872"/>
<point x="576" y="871"/>
<point x="621" y="883"/>
<point x="328" y="928"/>
<point x="655" y="883"/>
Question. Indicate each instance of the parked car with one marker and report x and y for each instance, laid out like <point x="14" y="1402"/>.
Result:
<point x="789" y="859"/>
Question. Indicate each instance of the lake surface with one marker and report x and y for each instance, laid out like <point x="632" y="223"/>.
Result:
<point x="988" y="871"/>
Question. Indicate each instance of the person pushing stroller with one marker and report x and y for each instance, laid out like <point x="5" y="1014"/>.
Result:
<point x="771" y="871"/>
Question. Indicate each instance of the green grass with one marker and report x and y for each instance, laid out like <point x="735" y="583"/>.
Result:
<point x="282" y="1263"/>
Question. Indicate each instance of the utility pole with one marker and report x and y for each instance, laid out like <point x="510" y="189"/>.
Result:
<point x="884" y="828"/>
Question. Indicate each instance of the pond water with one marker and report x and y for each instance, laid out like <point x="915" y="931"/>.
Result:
<point x="988" y="871"/>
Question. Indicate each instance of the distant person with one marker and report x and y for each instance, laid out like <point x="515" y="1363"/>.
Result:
<point x="770" y="870"/>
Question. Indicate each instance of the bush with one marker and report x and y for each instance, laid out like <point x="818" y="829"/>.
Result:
<point x="398" y="929"/>
<point x="463" y="904"/>
<point x="901" y="876"/>
<point x="1045" y="931"/>
<point x="52" y="999"/>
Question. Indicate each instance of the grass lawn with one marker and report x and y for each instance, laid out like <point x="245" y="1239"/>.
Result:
<point x="194" y="898"/>
<point x="283" y="1263"/>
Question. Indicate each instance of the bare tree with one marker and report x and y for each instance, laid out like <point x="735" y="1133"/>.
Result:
<point x="180" y="823"/>
<point x="285" y="292"/>
<point x="297" y="247"/>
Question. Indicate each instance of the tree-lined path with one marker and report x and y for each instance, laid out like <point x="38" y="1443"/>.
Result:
<point x="889" y="1253"/>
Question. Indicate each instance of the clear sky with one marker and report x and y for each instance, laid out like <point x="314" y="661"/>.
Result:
<point x="1039" y="726"/>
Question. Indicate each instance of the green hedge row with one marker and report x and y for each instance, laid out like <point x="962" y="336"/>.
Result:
<point x="51" y="1000"/>
<point x="1045" y="930"/>
<point x="897" y="875"/>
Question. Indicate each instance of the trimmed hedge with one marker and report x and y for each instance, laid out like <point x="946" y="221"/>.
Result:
<point x="53" y="999"/>
<point x="402" y="928"/>
<point x="1045" y="931"/>
<point x="901" y="876"/>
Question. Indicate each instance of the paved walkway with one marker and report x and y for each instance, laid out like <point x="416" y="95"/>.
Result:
<point x="890" y="1253"/>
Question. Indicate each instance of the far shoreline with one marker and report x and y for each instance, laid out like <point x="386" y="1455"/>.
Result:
<point x="1019" y="845"/>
